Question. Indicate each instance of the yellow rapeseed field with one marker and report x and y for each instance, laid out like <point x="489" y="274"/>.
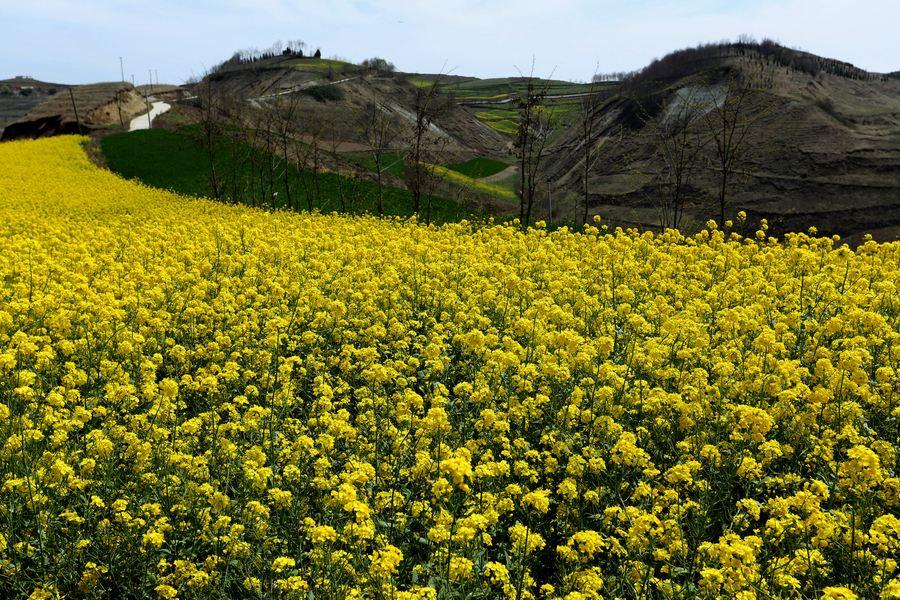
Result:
<point x="200" y="400"/>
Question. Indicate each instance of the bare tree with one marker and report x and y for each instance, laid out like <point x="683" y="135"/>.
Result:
<point x="211" y="124"/>
<point x="338" y="167"/>
<point x="587" y="111"/>
<point x="438" y="147"/>
<point x="309" y="157"/>
<point x="297" y="46"/>
<point x="423" y="153"/>
<point x="679" y="141"/>
<point x="534" y="128"/>
<point x="379" y="132"/>
<point x="736" y="115"/>
<point x="266" y="125"/>
<point x="266" y="167"/>
<point x="286" y="113"/>
<point x="378" y="65"/>
<point x="236" y="155"/>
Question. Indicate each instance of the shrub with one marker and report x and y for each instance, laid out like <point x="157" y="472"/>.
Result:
<point x="378" y="65"/>
<point x="325" y="93"/>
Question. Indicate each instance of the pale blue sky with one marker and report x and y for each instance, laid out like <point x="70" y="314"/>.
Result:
<point x="77" y="41"/>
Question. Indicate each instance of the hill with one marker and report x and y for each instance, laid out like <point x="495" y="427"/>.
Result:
<point x="89" y="107"/>
<point x="341" y="109"/>
<point x="824" y="150"/>
<point x="18" y="95"/>
<point x="493" y="101"/>
<point x="822" y="146"/>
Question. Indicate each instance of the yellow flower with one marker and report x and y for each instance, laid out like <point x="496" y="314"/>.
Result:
<point x="153" y="539"/>
<point x="458" y="468"/>
<point x="539" y="500"/>
<point x="216" y="379"/>
<point x="626" y="452"/>
<point x="384" y="562"/>
<point x="283" y="562"/>
<point x="460" y="568"/>
<point x="891" y="591"/>
<point x="281" y="498"/>
<point x="524" y="539"/>
<point x="323" y="533"/>
<point x="497" y="573"/>
<point x="861" y="471"/>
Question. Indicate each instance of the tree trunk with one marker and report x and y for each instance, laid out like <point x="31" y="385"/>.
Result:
<point x="724" y="184"/>
<point x="380" y="189"/>
<point x="287" y="176"/>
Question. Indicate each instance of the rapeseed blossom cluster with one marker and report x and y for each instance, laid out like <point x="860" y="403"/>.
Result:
<point x="200" y="400"/>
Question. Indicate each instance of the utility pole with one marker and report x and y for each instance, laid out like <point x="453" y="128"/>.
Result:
<point x="75" y="108"/>
<point x="119" y="107"/>
<point x="151" y="79"/>
<point x="147" y="102"/>
<point x="132" y="80"/>
<point x="122" y="69"/>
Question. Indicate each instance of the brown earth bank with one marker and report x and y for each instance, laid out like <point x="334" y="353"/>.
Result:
<point x="80" y="109"/>
<point x="823" y="151"/>
<point x="288" y="80"/>
<point x="20" y="94"/>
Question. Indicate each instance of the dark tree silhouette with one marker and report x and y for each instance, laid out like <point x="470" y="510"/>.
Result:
<point x="532" y="135"/>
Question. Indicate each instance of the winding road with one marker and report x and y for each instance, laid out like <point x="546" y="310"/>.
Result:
<point x="145" y="120"/>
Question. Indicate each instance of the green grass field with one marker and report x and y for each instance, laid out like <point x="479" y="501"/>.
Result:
<point x="479" y="167"/>
<point x="493" y="89"/>
<point x="482" y="94"/>
<point x="504" y="117"/>
<point x="504" y="120"/>
<point x="471" y="88"/>
<point x="393" y="163"/>
<point x="172" y="160"/>
<point x="465" y="175"/>
<point x="474" y="185"/>
<point x="317" y="64"/>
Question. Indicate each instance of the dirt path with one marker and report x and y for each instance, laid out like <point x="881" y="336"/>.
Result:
<point x="502" y="175"/>
<point x="143" y="121"/>
<point x="299" y="88"/>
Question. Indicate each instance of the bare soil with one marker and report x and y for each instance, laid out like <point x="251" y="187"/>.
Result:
<point x="98" y="106"/>
<point x="828" y="155"/>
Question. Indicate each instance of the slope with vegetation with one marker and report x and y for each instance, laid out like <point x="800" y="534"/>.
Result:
<point x="173" y="160"/>
<point x="202" y="400"/>
<point x="788" y="137"/>
<point x="265" y="82"/>
<point x="815" y="143"/>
